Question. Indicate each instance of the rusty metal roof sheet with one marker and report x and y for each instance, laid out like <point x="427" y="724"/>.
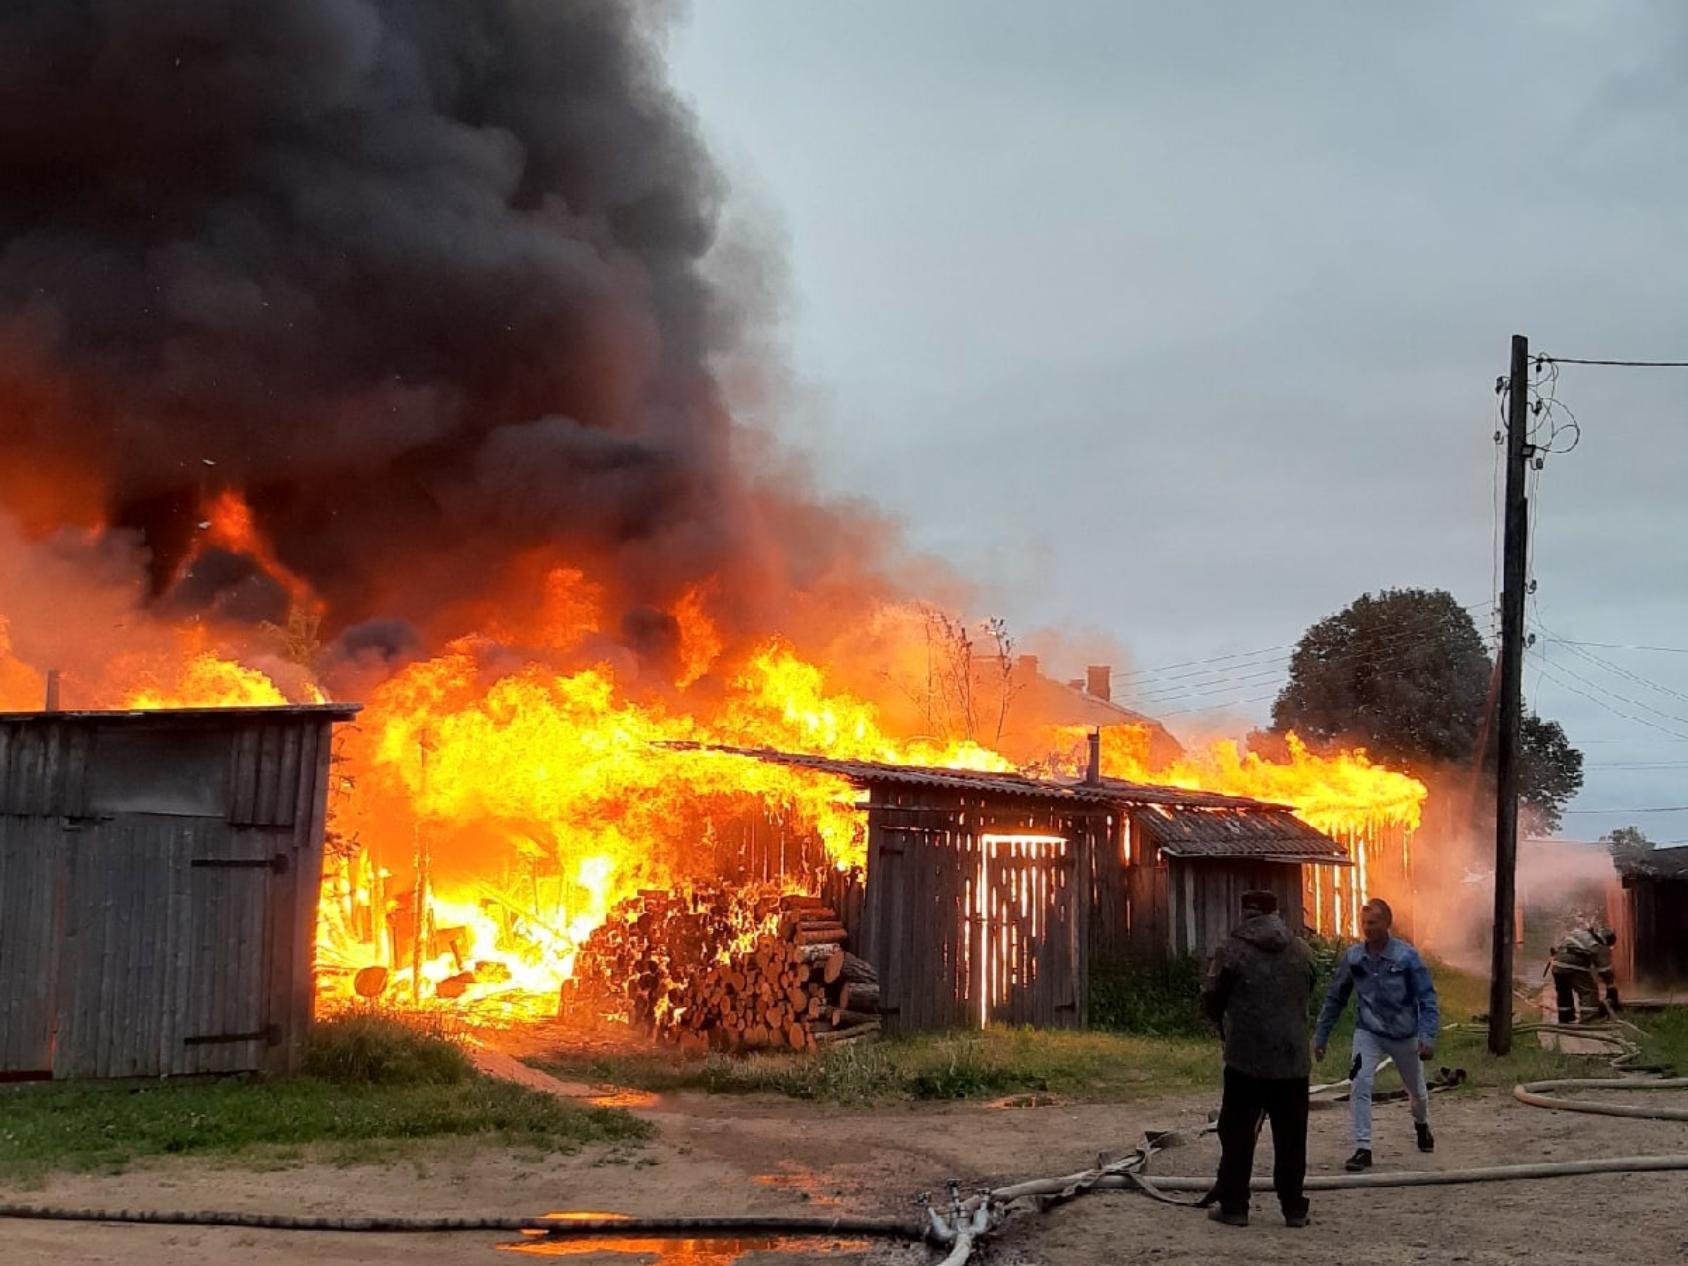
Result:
<point x="1109" y="791"/>
<point x="333" y="711"/>
<point x="1265" y="833"/>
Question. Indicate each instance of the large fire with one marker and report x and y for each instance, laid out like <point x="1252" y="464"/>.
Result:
<point x="445" y="389"/>
<point x="1372" y="809"/>
<point x="496" y="800"/>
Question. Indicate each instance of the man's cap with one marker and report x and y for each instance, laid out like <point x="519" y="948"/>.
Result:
<point x="1260" y="901"/>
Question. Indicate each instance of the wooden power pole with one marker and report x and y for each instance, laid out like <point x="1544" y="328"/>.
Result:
<point x="1510" y="722"/>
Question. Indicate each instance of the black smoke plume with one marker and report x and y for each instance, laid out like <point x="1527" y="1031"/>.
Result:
<point x="422" y="278"/>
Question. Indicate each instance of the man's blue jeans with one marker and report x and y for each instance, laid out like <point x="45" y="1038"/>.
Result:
<point x="1369" y="1049"/>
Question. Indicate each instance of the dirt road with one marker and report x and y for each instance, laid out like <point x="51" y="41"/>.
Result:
<point x="744" y="1155"/>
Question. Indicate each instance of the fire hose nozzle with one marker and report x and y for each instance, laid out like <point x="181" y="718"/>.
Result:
<point x="938" y="1227"/>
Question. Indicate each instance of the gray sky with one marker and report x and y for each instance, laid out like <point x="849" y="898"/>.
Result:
<point x="1182" y="322"/>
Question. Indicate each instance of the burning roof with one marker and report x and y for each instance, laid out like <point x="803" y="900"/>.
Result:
<point x="1185" y="823"/>
<point x="1270" y="834"/>
<point x="1108" y="791"/>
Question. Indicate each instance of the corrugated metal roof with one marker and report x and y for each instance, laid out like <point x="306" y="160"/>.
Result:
<point x="1265" y="832"/>
<point x="1110" y="791"/>
<point x="336" y="711"/>
<point x="1654" y="863"/>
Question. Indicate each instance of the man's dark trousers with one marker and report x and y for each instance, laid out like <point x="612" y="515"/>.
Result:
<point x="1282" y="1100"/>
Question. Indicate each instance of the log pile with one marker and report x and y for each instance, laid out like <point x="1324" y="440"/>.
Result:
<point x="731" y="971"/>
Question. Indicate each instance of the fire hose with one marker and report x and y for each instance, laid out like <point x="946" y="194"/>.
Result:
<point x="555" y="1228"/>
<point x="970" y="1222"/>
<point x="967" y="1222"/>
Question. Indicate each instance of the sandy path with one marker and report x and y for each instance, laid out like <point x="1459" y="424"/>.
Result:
<point x="743" y="1155"/>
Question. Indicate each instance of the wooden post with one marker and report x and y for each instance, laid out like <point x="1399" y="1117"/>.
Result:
<point x="52" y="704"/>
<point x="1510" y="720"/>
<point x="419" y="920"/>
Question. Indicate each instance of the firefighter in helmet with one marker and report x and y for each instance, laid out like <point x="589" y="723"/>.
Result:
<point x="1581" y="963"/>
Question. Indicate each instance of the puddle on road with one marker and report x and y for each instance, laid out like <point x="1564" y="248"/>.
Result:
<point x="717" y="1251"/>
<point x="803" y="1181"/>
<point x="665" y="1251"/>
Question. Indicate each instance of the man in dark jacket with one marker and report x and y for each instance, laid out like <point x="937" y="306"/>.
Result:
<point x="1259" y="988"/>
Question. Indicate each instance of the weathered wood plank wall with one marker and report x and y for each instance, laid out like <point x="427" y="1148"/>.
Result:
<point x="159" y="878"/>
<point x="977" y="909"/>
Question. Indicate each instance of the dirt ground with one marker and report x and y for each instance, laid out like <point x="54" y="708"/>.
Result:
<point x="718" y="1155"/>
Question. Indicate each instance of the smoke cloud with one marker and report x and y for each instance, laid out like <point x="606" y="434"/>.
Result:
<point x="423" y="279"/>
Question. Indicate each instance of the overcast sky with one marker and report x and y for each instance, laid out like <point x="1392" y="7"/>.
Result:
<point x="1182" y="322"/>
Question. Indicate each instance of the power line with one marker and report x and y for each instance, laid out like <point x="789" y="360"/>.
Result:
<point x="1621" y="646"/>
<point x="1619" y="671"/>
<point x="1240" y="672"/>
<point x="1124" y="673"/>
<point x="1549" y="671"/>
<point x="1621" y="698"/>
<point x="1618" y="364"/>
<point x="1191" y="663"/>
<point x="1383" y="652"/>
<point x="1657" y="808"/>
<point x="1212" y="707"/>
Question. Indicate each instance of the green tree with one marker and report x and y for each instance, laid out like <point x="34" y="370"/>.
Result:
<point x="1406" y="674"/>
<point x="1550" y="770"/>
<point x="1628" y="845"/>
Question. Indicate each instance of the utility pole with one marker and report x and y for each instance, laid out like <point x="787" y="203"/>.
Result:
<point x="1510" y="723"/>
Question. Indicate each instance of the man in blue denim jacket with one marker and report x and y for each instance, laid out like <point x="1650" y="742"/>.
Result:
<point x="1396" y="1015"/>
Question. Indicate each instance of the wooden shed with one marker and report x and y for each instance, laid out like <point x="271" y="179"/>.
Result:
<point x="988" y="895"/>
<point x="159" y="877"/>
<point x="1649" y="912"/>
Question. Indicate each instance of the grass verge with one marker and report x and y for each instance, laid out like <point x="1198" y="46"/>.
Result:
<point x="374" y="1083"/>
<point x="1096" y="1066"/>
<point x="1105" y="1067"/>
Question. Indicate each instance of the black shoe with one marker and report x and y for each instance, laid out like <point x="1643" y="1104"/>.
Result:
<point x="1361" y="1159"/>
<point x="1296" y="1219"/>
<point x="1426" y="1140"/>
<point x="1229" y="1219"/>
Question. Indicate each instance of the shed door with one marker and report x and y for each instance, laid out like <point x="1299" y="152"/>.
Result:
<point x="162" y="967"/>
<point x="1027" y="955"/>
<point x="30" y="897"/>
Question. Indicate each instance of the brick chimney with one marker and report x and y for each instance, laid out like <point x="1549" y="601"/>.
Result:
<point x="1026" y="667"/>
<point x="1099" y="680"/>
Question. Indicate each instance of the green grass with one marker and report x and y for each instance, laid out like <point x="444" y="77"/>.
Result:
<point x="1097" y="1066"/>
<point x="375" y="1085"/>
<point x="1664" y="1039"/>
<point x="374" y="1049"/>
<point x="1106" y="1067"/>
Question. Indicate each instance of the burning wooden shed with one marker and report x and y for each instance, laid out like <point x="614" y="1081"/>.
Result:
<point x="1650" y="915"/>
<point x="159" y="874"/>
<point x="988" y="895"/>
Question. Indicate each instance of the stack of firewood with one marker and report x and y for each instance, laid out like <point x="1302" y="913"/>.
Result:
<point x="716" y="970"/>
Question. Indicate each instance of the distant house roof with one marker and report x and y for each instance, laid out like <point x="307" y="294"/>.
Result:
<point x="1185" y="823"/>
<point x="1040" y="699"/>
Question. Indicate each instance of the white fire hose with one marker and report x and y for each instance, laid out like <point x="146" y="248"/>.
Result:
<point x="1129" y="1173"/>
